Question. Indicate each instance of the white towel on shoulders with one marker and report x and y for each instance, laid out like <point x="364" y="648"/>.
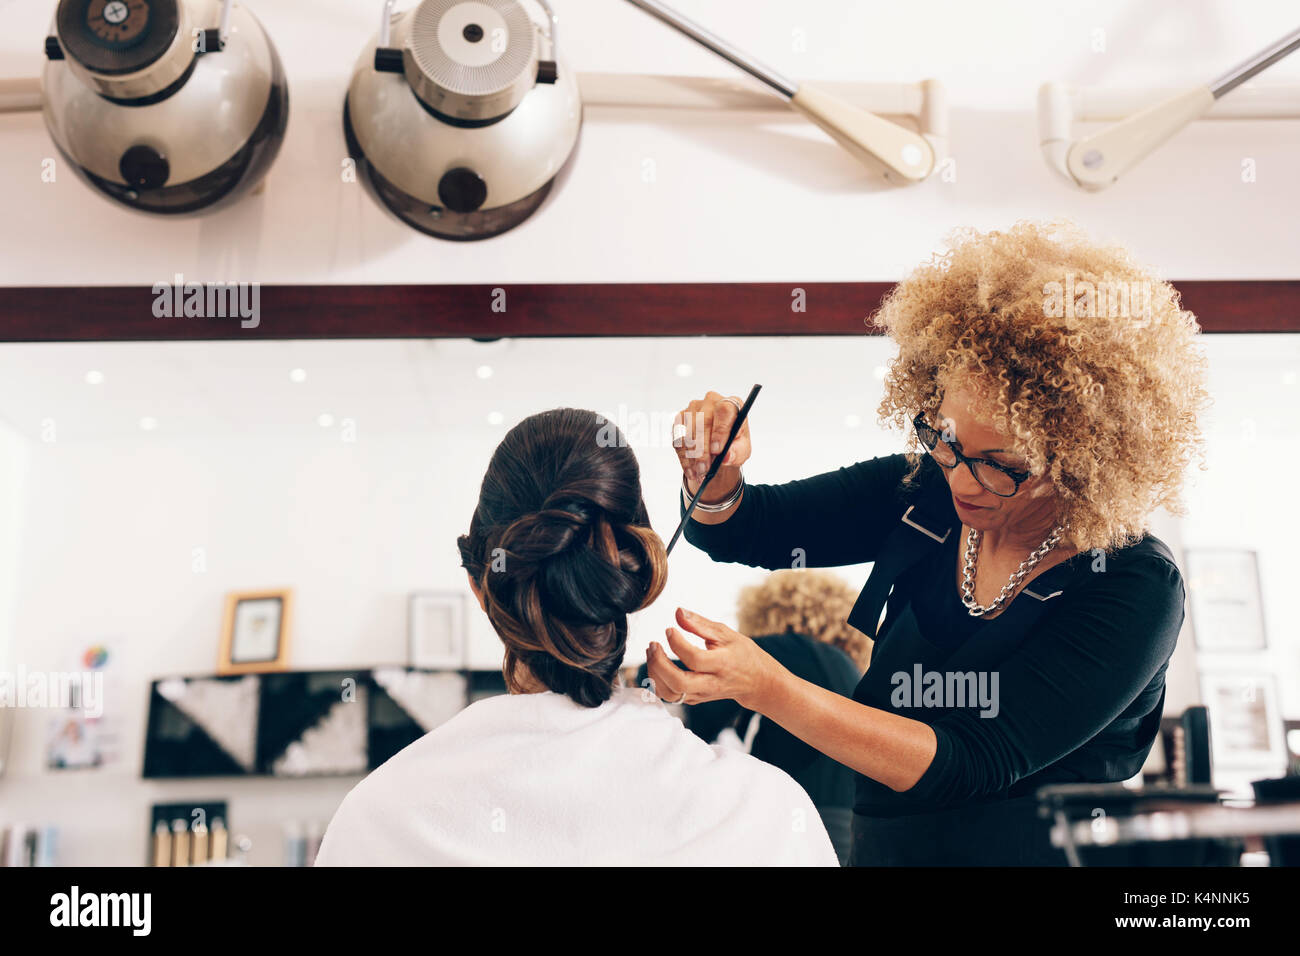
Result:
<point x="536" y="779"/>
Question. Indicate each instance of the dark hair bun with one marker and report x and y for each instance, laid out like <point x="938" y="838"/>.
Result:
<point x="562" y="550"/>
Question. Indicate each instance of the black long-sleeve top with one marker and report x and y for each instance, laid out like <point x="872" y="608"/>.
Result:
<point x="1080" y="698"/>
<point x="828" y="783"/>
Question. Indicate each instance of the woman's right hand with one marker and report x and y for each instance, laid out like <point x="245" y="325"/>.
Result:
<point x="699" y="432"/>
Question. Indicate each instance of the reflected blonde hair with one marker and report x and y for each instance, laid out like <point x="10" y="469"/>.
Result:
<point x="813" y="603"/>
<point x="1103" y="403"/>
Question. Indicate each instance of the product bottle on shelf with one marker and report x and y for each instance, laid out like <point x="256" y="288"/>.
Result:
<point x="295" y="844"/>
<point x="15" y="845"/>
<point x="180" y="843"/>
<point x="162" y="844"/>
<point x="217" y="840"/>
<point x="315" y="833"/>
<point x="199" y="843"/>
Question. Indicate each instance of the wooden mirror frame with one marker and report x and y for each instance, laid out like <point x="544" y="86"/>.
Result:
<point x="125" y="313"/>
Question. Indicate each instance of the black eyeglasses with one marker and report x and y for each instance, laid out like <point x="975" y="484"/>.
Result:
<point x="999" y="479"/>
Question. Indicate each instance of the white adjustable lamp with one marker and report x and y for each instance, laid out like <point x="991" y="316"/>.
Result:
<point x="1096" y="161"/>
<point x="898" y="154"/>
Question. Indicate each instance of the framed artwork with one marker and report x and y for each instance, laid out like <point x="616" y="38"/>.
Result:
<point x="255" y="633"/>
<point x="71" y="743"/>
<point x="436" y="630"/>
<point x="1223" y="590"/>
<point x="294" y="724"/>
<point x="1246" y="729"/>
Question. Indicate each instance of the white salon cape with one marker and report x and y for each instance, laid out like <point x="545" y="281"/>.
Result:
<point x="538" y="780"/>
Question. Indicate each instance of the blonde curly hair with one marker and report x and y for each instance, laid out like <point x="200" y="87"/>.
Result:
<point x="813" y="603"/>
<point x="1083" y="358"/>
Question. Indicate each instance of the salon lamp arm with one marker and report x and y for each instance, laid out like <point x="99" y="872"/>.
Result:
<point x="223" y="25"/>
<point x="1096" y="161"/>
<point x="898" y="154"/>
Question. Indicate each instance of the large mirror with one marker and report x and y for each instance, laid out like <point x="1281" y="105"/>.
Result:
<point x="144" y="482"/>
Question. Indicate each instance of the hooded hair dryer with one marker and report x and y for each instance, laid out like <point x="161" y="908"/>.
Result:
<point x="460" y="116"/>
<point x="167" y="106"/>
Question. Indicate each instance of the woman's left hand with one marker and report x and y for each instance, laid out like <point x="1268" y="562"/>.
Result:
<point x="730" y="666"/>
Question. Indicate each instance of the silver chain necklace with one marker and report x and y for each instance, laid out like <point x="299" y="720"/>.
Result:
<point x="973" y="538"/>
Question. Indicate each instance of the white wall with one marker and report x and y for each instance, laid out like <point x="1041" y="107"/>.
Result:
<point x="732" y="198"/>
<point x="13" y="498"/>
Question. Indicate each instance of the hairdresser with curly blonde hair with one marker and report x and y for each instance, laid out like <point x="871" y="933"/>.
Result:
<point x="1051" y="387"/>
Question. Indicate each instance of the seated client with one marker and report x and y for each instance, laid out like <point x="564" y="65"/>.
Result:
<point x="570" y="767"/>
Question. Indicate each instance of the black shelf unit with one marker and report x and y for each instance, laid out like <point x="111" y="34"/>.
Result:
<point x="288" y="703"/>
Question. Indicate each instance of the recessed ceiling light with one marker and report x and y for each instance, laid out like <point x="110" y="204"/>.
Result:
<point x="298" y="375"/>
<point x="684" y="370"/>
<point x="852" y="421"/>
<point x="495" y="418"/>
<point x="326" y="420"/>
<point x="1289" y="378"/>
<point x="148" y="423"/>
<point x="484" y="371"/>
<point x="880" y="372"/>
<point x="94" y="377"/>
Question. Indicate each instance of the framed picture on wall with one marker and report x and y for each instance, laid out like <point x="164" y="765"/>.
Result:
<point x="255" y="633"/>
<point x="71" y="743"/>
<point x="436" y="630"/>
<point x="1223" y="590"/>
<point x="1246" y="728"/>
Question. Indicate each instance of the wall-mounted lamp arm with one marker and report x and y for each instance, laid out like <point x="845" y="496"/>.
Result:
<point x="386" y="24"/>
<point x="1096" y="161"/>
<point x="895" y="152"/>
<point x="223" y="25"/>
<point x="552" y="25"/>
<point x="20" y="94"/>
<point x="1258" y="63"/>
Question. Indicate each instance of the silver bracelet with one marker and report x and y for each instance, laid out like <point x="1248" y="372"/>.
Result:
<point x="719" y="506"/>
